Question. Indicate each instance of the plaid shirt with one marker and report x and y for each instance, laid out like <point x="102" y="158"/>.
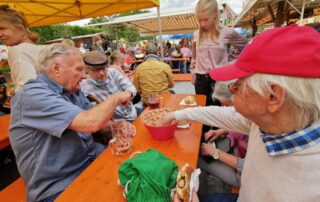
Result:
<point x="115" y="83"/>
<point x="291" y="142"/>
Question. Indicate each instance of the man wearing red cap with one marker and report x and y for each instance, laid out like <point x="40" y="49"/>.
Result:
<point x="276" y="102"/>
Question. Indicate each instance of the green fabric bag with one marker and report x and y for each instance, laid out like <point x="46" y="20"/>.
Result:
<point x="149" y="176"/>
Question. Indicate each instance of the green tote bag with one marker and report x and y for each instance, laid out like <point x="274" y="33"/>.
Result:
<point x="148" y="177"/>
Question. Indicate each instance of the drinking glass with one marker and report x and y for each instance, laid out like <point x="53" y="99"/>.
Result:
<point x="122" y="132"/>
<point x="154" y="100"/>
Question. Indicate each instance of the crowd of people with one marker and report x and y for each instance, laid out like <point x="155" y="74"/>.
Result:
<point x="264" y="97"/>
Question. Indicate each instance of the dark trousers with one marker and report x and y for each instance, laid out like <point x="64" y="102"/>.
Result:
<point x="204" y="85"/>
<point x="223" y="197"/>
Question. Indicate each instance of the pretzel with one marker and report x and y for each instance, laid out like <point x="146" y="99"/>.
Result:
<point x="153" y="117"/>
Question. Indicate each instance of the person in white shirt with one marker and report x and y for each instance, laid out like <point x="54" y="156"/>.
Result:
<point x="23" y="51"/>
<point x="277" y="102"/>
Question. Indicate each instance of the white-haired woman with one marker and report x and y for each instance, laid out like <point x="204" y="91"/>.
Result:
<point x="117" y="61"/>
<point x="211" y="46"/>
<point x="22" y="56"/>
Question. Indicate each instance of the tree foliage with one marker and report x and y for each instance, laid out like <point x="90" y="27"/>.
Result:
<point x="51" y="32"/>
<point x="127" y="34"/>
<point x="133" y="13"/>
<point x="98" y="20"/>
<point x="120" y="32"/>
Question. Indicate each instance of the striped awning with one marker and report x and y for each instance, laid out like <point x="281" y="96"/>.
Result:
<point x="173" y="22"/>
<point x="260" y="11"/>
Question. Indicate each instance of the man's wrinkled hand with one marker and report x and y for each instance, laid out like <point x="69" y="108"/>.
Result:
<point x="125" y="97"/>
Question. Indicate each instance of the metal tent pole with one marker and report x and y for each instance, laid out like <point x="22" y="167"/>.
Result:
<point x="160" y="32"/>
<point x="302" y="11"/>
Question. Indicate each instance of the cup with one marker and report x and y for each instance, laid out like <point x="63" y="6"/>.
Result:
<point x="122" y="133"/>
<point x="154" y="100"/>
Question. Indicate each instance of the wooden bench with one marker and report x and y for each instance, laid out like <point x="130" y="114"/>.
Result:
<point x="15" y="192"/>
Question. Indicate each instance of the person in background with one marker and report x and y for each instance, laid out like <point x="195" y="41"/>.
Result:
<point x="23" y="51"/>
<point x="152" y="75"/>
<point x="97" y="43"/>
<point x="117" y="62"/>
<point x="68" y="41"/>
<point x="276" y="102"/>
<point x="128" y="58"/>
<point x="52" y="121"/>
<point x="170" y="49"/>
<point x="187" y="53"/>
<point x="225" y="166"/>
<point x="177" y="54"/>
<point x="103" y="82"/>
<point x="211" y="46"/>
<point x="81" y="48"/>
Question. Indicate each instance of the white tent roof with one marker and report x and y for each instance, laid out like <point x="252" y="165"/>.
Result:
<point x="173" y="22"/>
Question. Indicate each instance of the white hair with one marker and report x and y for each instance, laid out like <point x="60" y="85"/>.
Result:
<point x="221" y="91"/>
<point x="51" y="52"/>
<point x="302" y="94"/>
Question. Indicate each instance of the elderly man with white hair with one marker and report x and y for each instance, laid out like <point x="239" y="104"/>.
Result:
<point x="277" y="102"/>
<point x="52" y="121"/>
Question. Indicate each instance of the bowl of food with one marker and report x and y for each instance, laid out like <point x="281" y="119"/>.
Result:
<point x="152" y="121"/>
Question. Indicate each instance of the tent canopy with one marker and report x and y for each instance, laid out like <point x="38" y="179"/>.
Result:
<point x="260" y="11"/>
<point x="47" y="12"/>
<point x="173" y="22"/>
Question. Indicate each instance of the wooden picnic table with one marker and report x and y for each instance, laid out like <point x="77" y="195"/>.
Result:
<point x="182" y="77"/>
<point x="4" y="131"/>
<point x="99" y="182"/>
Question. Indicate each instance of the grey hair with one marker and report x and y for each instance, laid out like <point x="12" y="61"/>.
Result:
<point x="51" y="52"/>
<point x="152" y="49"/>
<point x="221" y="91"/>
<point x="302" y="94"/>
<point x="116" y="56"/>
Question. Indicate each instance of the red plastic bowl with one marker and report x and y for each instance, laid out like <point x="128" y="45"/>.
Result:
<point x="163" y="132"/>
<point x="150" y="119"/>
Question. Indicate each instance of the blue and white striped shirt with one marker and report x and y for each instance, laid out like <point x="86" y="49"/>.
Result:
<point x="115" y="83"/>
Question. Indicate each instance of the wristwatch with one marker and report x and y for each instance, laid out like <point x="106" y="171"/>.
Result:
<point x="216" y="154"/>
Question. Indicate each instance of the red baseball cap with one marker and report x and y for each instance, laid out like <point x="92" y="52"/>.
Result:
<point x="291" y="51"/>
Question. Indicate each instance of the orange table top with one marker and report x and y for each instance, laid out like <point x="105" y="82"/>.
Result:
<point x="4" y="131"/>
<point x="182" y="77"/>
<point x="99" y="181"/>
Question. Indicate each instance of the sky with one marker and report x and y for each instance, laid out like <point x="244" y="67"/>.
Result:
<point x="165" y="5"/>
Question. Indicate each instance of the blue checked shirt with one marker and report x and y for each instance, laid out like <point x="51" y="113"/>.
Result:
<point x="291" y="142"/>
<point x="115" y="83"/>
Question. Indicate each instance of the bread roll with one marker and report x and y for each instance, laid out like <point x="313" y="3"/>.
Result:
<point x="183" y="182"/>
<point x="189" y="100"/>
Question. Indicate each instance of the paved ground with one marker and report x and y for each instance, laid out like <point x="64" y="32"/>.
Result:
<point x="183" y="88"/>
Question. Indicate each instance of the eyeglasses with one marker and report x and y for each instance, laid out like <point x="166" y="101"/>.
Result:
<point x="234" y="87"/>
